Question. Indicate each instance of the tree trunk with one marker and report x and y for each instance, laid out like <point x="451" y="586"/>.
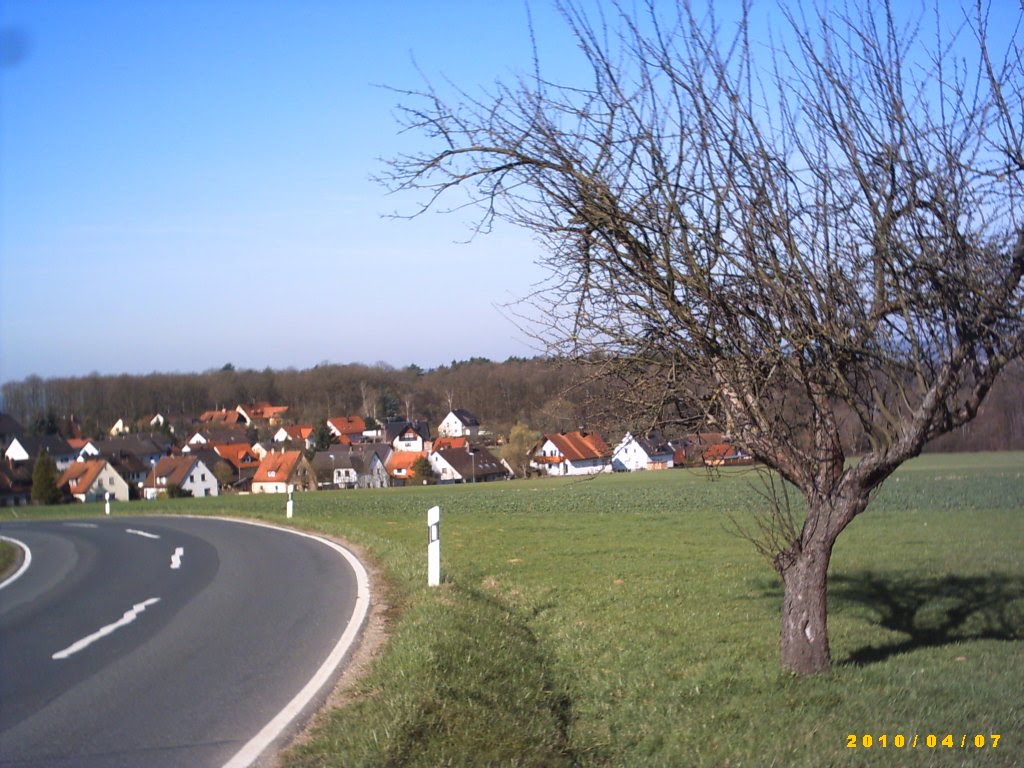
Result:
<point x="804" y="637"/>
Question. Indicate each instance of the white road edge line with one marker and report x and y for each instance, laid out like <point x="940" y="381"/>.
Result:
<point x="176" y="558"/>
<point x="258" y="744"/>
<point x="85" y="642"/>
<point x="24" y="564"/>
<point x="141" y="533"/>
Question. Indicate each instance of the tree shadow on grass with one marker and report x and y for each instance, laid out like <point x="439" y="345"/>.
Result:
<point x="932" y="611"/>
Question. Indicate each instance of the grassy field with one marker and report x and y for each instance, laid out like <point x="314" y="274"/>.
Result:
<point x="617" y="622"/>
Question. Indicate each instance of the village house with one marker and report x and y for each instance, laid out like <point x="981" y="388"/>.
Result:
<point x="400" y="469"/>
<point x="262" y="413"/>
<point x="278" y="471"/>
<point x="92" y="479"/>
<point x="187" y="472"/>
<point x="24" y="450"/>
<point x="15" y="484"/>
<point x="352" y="466"/>
<point x="642" y="452"/>
<point x="572" y="453"/>
<point x="467" y="465"/>
<point x="87" y="447"/>
<point x="459" y="423"/>
<point x="121" y="427"/>
<point x="297" y="434"/>
<point x="148" y="449"/>
<point x="224" y="416"/>
<point x="219" y="434"/>
<point x="407" y="435"/>
<point x="347" y="429"/>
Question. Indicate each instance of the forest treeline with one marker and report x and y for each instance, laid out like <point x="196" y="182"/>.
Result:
<point x="546" y="395"/>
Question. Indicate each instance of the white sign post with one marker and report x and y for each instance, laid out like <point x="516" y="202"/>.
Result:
<point x="106" y="496"/>
<point x="433" y="546"/>
<point x="290" y="506"/>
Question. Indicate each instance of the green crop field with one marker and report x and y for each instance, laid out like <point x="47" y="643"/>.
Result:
<point x="618" y="622"/>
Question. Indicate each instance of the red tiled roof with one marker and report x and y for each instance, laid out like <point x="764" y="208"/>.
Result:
<point x="403" y="460"/>
<point x="580" y="446"/>
<point x="80" y="475"/>
<point x="449" y="442"/>
<point x="219" y="417"/>
<point x="239" y="455"/>
<point x="347" y="425"/>
<point x="173" y="470"/>
<point x="298" y="432"/>
<point x="281" y="464"/>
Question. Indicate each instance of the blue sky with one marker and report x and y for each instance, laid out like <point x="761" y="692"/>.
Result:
<point x="186" y="184"/>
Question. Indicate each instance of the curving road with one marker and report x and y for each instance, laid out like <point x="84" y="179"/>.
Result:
<point x="168" y="641"/>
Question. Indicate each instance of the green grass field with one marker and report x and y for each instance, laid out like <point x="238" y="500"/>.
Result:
<point x="618" y="622"/>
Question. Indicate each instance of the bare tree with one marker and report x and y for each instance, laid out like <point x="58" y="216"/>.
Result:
<point x="777" y="235"/>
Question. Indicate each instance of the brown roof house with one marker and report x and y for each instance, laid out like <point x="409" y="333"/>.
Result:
<point x="573" y="453"/>
<point x="277" y="471"/>
<point x="92" y="479"/>
<point x="347" y="429"/>
<point x="187" y="471"/>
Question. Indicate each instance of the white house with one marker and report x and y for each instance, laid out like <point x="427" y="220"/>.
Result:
<point x="573" y="453"/>
<point x="187" y="472"/>
<point x="640" y="452"/>
<point x="25" y="449"/>
<point x="459" y="423"/>
<point x="468" y="465"/>
<point x="92" y="479"/>
<point x="407" y="435"/>
<point x="121" y="427"/>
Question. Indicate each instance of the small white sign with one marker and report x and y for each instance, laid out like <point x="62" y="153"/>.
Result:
<point x="433" y="546"/>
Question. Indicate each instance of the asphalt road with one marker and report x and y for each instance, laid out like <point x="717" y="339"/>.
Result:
<point x="167" y="641"/>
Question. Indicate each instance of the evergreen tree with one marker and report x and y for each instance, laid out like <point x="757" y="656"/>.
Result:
<point x="44" y="480"/>
<point x="422" y="470"/>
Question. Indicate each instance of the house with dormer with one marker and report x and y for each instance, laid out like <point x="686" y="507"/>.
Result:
<point x="278" y="471"/>
<point x="572" y="453"/>
<point x="92" y="479"/>
<point x="407" y="435"/>
<point x="187" y="472"/>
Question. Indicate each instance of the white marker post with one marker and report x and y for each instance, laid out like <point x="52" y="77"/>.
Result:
<point x="290" y="506"/>
<point x="433" y="546"/>
<point x="106" y="496"/>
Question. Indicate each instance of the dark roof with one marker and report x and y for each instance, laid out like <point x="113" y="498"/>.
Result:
<point x="9" y="425"/>
<point x="223" y="433"/>
<point x="478" y="460"/>
<point x="55" y="445"/>
<point x="393" y="429"/>
<point x="357" y="457"/>
<point x="653" y="444"/>
<point x="466" y="417"/>
<point x="137" y="444"/>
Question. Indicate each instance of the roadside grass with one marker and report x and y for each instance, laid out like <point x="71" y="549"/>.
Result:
<point x="618" y="622"/>
<point x="8" y="558"/>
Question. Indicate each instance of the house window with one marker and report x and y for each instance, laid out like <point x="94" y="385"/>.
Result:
<point x="272" y="473"/>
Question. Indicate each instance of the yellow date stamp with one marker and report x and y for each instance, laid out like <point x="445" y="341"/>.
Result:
<point x="923" y="740"/>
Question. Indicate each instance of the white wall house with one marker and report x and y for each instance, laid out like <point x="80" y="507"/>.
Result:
<point x="635" y="453"/>
<point x="573" y="453"/>
<point x="459" y="423"/>
<point x="92" y="479"/>
<point x="190" y="473"/>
